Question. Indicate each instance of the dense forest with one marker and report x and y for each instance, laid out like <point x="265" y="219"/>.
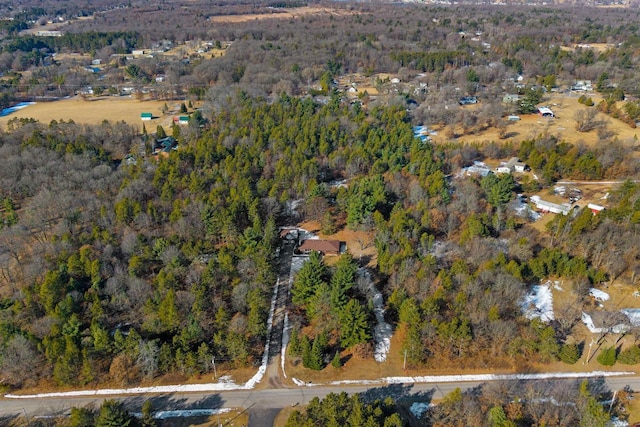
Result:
<point x="158" y="265"/>
<point x="116" y="272"/>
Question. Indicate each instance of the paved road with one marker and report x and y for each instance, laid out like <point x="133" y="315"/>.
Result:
<point x="268" y="401"/>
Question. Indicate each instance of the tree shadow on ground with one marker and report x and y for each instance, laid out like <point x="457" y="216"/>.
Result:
<point x="401" y="393"/>
<point x="174" y="402"/>
<point x="8" y="420"/>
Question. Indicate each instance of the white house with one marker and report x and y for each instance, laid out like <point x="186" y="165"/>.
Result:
<point x="582" y="85"/>
<point x="513" y="165"/>
<point x="545" y="206"/>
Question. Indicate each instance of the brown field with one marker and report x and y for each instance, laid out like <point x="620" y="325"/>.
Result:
<point x="280" y="13"/>
<point x="532" y="125"/>
<point x="597" y="47"/>
<point x="96" y="110"/>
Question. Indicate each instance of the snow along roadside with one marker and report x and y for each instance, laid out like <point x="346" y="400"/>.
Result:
<point x="468" y="378"/>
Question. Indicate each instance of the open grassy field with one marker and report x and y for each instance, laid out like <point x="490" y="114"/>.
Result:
<point x="96" y="110"/>
<point x="565" y="107"/>
<point x="280" y="13"/>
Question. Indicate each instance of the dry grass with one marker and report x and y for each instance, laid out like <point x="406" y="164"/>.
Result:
<point x="96" y="110"/>
<point x="359" y="243"/>
<point x="532" y="125"/>
<point x="281" y="13"/>
<point x="597" y="47"/>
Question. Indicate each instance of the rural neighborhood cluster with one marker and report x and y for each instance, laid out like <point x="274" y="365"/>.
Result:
<point x="318" y="214"/>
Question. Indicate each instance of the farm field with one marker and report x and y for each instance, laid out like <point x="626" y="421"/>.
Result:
<point x="113" y="109"/>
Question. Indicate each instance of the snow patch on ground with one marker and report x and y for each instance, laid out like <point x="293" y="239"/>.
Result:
<point x="474" y="378"/>
<point x="301" y="383"/>
<point x="598" y="295"/>
<point x="539" y="303"/>
<point x="419" y="408"/>
<point x="285" y="342"/>
<point x="225" y="379"/>
<point x="383" y="331"/>
<point x="633" y="314"/>
<point x="163" y="415"/>
<point x="615" y="422"/>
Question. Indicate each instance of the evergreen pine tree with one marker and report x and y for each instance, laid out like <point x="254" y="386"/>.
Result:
<point x="294" y="343"/>
<point x="305" y="350"/>
<point x="314" y="360"/>
<point x="353" y="325"/>
<point x="160" y="133"/>
<point x="336" y="362"/>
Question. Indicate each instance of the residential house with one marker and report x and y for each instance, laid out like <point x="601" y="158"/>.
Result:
<point x="599" y="322"/>
<point x="164" y="146"/>
<point x="511" y="98"/>
<point x="546" y="206"/>
<point x="325" y="247"/>
<point x="513" y="165"/>
<point x="582" y="86"/>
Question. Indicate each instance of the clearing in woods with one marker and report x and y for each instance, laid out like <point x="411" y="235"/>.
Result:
<point x="280" y="13"/>
<point x="97" y="110"/>
<point x="565" y="107"/>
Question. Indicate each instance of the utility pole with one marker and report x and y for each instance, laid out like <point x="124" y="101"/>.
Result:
<point x="213" y="361"/>
<point x="613" y="399"/>
<point x="589" y="353"/>
<point x="404" y="364"/>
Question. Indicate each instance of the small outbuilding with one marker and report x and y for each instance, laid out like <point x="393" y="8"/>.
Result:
<point x="596" y="209"/>
<point x="546" y="112"/>
<point x="146" y="116"/>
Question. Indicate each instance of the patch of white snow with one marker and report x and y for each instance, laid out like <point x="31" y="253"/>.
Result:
<point x="539" y="303"/>
<point x="598" y="295"/>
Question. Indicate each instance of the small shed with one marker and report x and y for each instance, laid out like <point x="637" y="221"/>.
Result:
<point x="546" y="112"/>
<point x="181" y="120"/>
<point x="146" y="116"/>
<point x="596" y="209"/>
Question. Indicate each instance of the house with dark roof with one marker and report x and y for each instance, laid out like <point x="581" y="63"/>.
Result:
<point x="325" y="247"/>
<point x="164" y="146"/>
